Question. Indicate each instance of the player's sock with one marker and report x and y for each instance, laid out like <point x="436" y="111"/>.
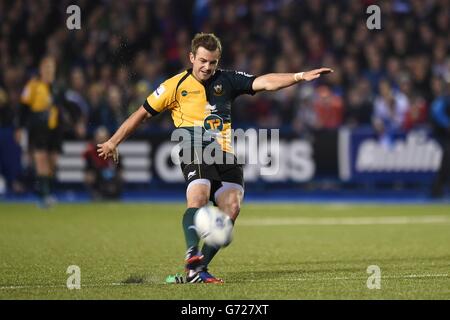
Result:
<point x="46" y="186"/>
<point x="52" y="184"/>
<point x="208" y="253"/>
<point x="43" y="186"/>
<point x="190" y="234"/>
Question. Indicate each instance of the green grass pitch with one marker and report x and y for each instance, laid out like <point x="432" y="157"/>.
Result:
<point x="279" y="251"/>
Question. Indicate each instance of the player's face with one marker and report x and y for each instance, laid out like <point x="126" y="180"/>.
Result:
<point x="47" y="70"/>
<point x="204" y="63"/>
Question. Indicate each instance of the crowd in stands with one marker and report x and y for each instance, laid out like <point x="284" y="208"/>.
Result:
<point x="386" y="78"/>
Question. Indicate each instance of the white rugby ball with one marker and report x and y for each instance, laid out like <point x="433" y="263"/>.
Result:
<point x="213" y="226"/>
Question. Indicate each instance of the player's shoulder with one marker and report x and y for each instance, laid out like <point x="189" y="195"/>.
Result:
<point x="29" y="87"/>
<point x="168" y="87"/>
<point x="32" y="82"/>
<point x="234" y="73"/>
<point x="173" y="81"/>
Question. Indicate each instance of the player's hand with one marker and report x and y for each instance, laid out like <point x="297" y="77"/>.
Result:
<point x="314" y="74"/>
<point x="108" y="149"/>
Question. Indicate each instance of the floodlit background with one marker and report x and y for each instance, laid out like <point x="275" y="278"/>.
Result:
<point x="332" y="141"/>
<point x="354" y="144"/>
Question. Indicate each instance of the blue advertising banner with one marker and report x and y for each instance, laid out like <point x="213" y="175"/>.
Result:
<point x="357" y="155"/>
<point x="366" y="157"/>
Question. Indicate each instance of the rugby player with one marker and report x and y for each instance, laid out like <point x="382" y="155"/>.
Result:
<point x="201" y="98"/>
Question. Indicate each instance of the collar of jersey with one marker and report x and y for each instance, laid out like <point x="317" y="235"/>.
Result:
<point x="214" y="76"/>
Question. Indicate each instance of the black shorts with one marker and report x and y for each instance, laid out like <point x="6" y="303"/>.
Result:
<point x="44" y="139"/>
<point x="228" y="170"/>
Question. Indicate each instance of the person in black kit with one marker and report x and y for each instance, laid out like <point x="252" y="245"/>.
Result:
<point x="40" y="115"/>
<point x="440" y="115"/>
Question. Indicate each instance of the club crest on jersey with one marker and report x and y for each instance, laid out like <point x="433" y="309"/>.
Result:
<point x="218" y="90"/>
<point x="213" y="123"/>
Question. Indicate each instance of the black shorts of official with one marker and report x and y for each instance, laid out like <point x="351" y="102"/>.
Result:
<point x="45" y="139"/>
<point x="228" y="170"/>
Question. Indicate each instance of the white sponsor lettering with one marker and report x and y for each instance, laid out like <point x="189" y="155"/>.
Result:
<point x="244" y="73"/>
<point x="416" y="153"/>
<point x="296" y="164"/>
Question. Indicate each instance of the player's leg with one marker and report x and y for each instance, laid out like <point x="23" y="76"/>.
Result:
<point x="230" y="194"/>
<point x="228" y="198"/>
<point x="197" y="195"/>
<point x="42" y="167"/>
<point x="198" y="179"/>
<point x="55" y="149"/>
<point x="38" y="138"/>
<point x="53" y="156"/>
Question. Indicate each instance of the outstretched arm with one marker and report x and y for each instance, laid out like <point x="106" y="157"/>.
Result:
<point x="109" y="148"/>
<point x="277" y="81"/>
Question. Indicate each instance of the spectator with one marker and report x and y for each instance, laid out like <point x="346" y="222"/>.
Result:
<point x="358" y="107"/>
<point x="10" y="153"/>
<point x="329" y="108"/>
<point x="416" y="115"/>
<point x="305" y="120"/>
<point x="103" y="178"/>
<point x="113" y="112"/>
<point x="389" y="113"/>
<point x="76" y="105"/>
<point x="121" y="45"/>
<point x="97" y="107"/>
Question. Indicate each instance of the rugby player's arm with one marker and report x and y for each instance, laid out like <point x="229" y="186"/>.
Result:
<point x="109" y="148"/>
<point x="277" y="81"/>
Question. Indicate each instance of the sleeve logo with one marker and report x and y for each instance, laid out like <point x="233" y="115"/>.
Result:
<point x="244" y="73"/>
<point x="159" y="91"/>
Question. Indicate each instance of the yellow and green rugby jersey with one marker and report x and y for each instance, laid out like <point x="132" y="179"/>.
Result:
<point x="206" y="105"/>
<point x="37" y="95"/>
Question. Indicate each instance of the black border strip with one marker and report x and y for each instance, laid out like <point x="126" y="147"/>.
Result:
<point x="149" y="109"/>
